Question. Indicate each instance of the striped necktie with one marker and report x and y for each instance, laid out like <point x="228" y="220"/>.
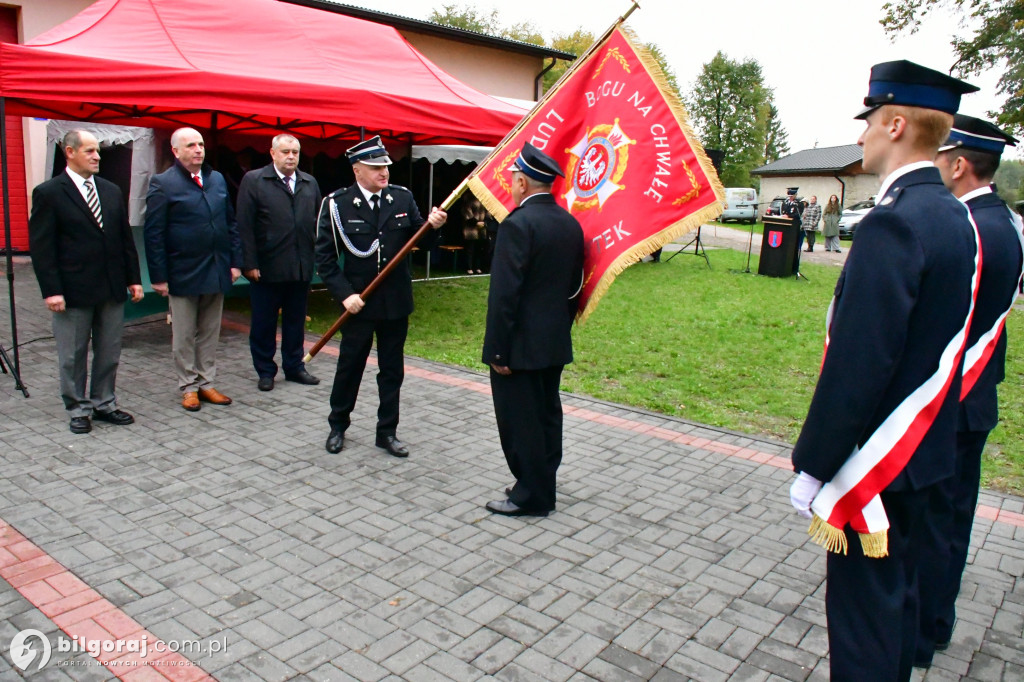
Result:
<point x="94" y="203"/>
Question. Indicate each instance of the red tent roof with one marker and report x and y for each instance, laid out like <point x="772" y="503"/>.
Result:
<point x="244" y="66"/>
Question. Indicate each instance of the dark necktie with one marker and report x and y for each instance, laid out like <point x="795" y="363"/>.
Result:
<point x="375" y="205"/>
<point x="94" y="203"/>
<point x="288" y="184"/>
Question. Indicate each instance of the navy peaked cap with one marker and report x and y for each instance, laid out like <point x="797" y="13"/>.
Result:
<point x="978" y="134"/>
<point x="371" y="152"/>
<point x="533" y="163"/>
<point x="913" y="85"/>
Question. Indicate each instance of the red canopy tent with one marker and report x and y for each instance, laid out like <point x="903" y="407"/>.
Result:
<point x="244" y="66"/>
<point x="240" y="67"/>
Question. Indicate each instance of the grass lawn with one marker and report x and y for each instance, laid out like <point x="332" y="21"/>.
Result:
<point x="715" y="346"/>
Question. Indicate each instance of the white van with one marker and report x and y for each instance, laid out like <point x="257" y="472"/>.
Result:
<point x="740" y="205"/>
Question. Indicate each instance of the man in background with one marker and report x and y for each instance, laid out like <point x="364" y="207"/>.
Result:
<point x="85" y="262"/>
<point x="536" y="277"/>
<point x="968" y="161"/>
<point x="277" y="207"/>
<point x="194" y="255"/>
<point x="809" y="221"/>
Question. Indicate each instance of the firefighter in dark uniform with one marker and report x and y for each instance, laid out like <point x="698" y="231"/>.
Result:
<point x="536" y="277"/>
<point x="881" y="428"/>
<point x="793" y="209"/>
<point x="968" y="162"/>
<point x="359" y="230"/>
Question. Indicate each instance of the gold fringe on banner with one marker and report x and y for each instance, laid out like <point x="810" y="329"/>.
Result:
<point x="831" y="538"/>
<point x="875" y="545"/>
<point x="681" y="227"/>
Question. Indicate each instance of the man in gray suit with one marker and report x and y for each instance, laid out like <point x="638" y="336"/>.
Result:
<point x="86" y="263"/>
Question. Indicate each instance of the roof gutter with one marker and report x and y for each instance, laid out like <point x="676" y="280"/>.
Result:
<point x="540" y="76"/>
<point x="842" y="192"/>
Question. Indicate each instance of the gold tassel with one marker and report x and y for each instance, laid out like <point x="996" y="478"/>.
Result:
<point x="875" y="545"/>
<point x="831" y="538"/>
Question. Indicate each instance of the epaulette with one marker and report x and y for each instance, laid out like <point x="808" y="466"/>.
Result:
<point x="404" y="189"/>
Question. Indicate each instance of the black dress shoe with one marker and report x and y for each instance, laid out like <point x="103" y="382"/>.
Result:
<point x="265" y="384"/>
<point x="80" y="425"/>
<point x="116" y="417"/>
<point x="510" y="508"/>
<point x="395" y="447"/>
<point x="335" y="441"/>
<point x="302" y="377"/>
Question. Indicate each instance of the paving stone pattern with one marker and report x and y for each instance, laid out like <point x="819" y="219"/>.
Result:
<point x="664" y="561"/>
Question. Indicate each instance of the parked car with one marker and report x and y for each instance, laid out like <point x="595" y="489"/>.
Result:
<point x="852" y="216"/>
<point x="775" y="208"/>
<point x="740" y="205"/>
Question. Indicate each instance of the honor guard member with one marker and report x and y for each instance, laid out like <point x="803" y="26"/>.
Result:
<point x="536" y="277"/>
<point x="359" y="231"/>
<point x="793" y="209"/>
<point x="881" y="428"/>
<point x="968" y="162"/>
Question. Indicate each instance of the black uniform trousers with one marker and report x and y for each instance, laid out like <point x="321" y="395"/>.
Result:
<point x="356" y="341"/>
<point x="871" y="604"/>
<point x="266" y="299"/>
<point x="528" y="410"/>
<point x="944" y="554"/>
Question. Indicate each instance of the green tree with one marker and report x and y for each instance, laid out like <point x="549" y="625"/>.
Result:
<point x="1010" y="181"/>
<point x="996" y="43"/>
<point x="468" y="18"/>
<point x="575" y="43"/>
<point x="524" y="31"/>
<point x="776" y="139"/>
<point x="731" y="107"/>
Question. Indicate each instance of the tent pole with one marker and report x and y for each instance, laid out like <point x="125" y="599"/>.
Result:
<point x="430" y="202"/>
<point x="16" y="366"/>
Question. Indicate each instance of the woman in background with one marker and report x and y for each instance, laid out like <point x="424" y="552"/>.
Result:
<point x="830" y="231"/>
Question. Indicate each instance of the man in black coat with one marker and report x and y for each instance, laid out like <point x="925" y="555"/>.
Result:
<point x="881" y="428"/>
<point x="277" y="207"/>
<point x="85" y="262"/>
<point x="194" y="256"/>
<point x="360" y="229"/>
<point x="968" y="162"/>
<point x="793" y="209"/>
<point x="536" y="276"/>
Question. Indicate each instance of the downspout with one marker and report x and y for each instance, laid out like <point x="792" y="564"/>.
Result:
<point x="540" y="77"/>
<point x="842" y="192"/>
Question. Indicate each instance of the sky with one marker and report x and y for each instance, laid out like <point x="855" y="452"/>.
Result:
<point x="815" y="54"/>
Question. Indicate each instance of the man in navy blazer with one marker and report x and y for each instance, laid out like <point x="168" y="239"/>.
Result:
<point x="881" y="428"/>
<point x="968" y="162"/>
<point x="194" y="255"/>
<point x="85" y="262"/>
<point x="536" y="276"/>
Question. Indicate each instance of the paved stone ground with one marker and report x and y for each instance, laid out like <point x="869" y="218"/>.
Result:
<point x="673" y="554"/>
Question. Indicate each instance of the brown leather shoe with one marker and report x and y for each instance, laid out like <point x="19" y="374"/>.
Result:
<point x="190" y="401"/>
<point x="212" y="395"/>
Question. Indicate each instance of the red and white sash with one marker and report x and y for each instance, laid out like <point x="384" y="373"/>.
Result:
<point x="977" y="356"/>
<point x="852" y="496"/>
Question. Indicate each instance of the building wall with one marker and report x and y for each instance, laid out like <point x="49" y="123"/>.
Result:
<point x="491" y="71"/>
<point x="858" y="187"/>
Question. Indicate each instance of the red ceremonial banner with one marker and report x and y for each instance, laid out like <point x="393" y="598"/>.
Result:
<point x="635" y="175"/>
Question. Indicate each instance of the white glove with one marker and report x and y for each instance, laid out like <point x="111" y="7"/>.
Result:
<point x="803" y="491"/>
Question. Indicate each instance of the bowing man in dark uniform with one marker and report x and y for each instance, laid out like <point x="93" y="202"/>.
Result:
<point x="968" y="162"/>
<point x="881" y="428"/>
<point x="85" y="262"/>
<point x="360" y="229"/>
<point x="277" y="208"/>
<point x="536" y="276"/>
